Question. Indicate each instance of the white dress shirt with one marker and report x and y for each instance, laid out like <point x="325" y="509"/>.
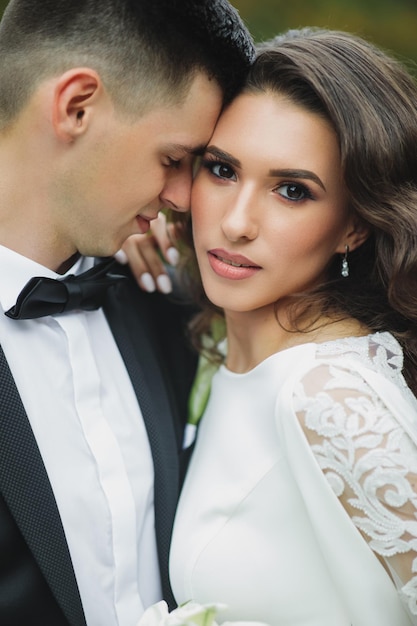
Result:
<point x="90" y="432"/>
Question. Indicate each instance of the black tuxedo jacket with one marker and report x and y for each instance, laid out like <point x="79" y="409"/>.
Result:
<point x="37" y="582"/>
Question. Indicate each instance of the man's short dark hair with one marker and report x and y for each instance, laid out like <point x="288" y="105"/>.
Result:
<point x="144" y="50"/>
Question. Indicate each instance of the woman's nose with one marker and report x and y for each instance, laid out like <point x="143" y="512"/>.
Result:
<point x="240" y="219"/>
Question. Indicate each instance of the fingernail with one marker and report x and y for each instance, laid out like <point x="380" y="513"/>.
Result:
<point x="164" y="284"/>
<point x="173" y="256"/>
<point x="121" y="257"/>
<point x="147" y="282"/>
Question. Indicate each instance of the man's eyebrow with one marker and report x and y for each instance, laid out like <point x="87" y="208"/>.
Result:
<point x="223" y="156"/>
<point x="182" y="148"/>
<point x="289" y="173"/>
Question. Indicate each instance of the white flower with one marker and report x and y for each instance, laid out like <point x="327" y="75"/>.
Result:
<point x="188" y="614"/>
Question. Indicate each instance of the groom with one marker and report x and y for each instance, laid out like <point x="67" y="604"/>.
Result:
<point x="103" y="105"/>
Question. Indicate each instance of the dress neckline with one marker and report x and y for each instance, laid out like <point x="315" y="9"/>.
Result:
<point x="328" y="347"/>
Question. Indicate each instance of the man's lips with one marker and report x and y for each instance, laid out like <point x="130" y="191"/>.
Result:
<point x="144" y="223"/>
<point x="231" y="266"/>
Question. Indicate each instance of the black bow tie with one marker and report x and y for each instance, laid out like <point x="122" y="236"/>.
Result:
<point x="47" y="296"/>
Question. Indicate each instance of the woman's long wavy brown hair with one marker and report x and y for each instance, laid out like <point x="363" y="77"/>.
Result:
<point x="370" y="100"/>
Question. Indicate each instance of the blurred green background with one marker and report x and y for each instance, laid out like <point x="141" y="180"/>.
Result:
<point x="389" y="23"/>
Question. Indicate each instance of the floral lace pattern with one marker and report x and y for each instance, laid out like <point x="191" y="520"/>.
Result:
<point x="368" y="458"/>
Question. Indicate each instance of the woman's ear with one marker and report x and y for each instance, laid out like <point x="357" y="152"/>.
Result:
<point x="357" y="233"/>
<point x="76" y="94"/>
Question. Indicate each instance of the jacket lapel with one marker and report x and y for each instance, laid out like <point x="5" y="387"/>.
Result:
<point x="26" y="489"/>
<point x="23" y="479"/>
<point x="132" y="330"/>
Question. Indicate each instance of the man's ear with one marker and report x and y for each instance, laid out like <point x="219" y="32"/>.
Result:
<point x="357" y="233"/>
<point x="75" y="94"/>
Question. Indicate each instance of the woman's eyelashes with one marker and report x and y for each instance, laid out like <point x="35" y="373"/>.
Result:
<point x="289" y="190"/>
<point x="219" y="169"/>
<point x="294" y="192"/>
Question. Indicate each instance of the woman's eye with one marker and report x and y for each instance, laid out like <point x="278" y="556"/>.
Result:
<point x="221" y="170"/>
<point x="293" y="191"/>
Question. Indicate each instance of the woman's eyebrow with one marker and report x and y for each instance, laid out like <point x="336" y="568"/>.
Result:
<point x="276" y="173"/>
<point x="223" y="156"/>
<point x="289" y="173"/>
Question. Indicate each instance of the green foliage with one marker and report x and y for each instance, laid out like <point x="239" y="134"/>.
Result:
<point x="391" y="24"/>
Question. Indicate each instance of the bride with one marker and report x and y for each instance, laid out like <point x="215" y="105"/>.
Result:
<point x="299" y="505"/>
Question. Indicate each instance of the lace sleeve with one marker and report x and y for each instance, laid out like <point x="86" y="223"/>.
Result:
<point x="371" y="464"/>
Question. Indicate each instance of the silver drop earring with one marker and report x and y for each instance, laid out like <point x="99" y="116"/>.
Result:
<point x="345" y="265"/>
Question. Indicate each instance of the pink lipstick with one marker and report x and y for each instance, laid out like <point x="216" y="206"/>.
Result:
<point x="232" y="266"/>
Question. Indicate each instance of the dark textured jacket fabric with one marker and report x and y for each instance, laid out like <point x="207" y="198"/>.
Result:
<point x="37" y="582"/>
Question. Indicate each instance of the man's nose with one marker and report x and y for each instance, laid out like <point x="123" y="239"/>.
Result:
<point x="176" y="193"/>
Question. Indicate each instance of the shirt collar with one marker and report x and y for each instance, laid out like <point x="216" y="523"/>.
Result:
<point x="16" y="270"/>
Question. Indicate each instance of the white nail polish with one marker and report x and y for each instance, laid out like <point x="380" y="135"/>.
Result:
<point x="164" y="284"/>
<point x="121" y="257"/>
<point x="148" y="282"/>
<point x="173" y="256"/>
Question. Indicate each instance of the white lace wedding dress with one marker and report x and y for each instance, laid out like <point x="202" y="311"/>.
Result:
<point x="299" y="507"/>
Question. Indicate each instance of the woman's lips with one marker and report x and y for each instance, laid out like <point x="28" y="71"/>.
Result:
<point x="231" y="266"/>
